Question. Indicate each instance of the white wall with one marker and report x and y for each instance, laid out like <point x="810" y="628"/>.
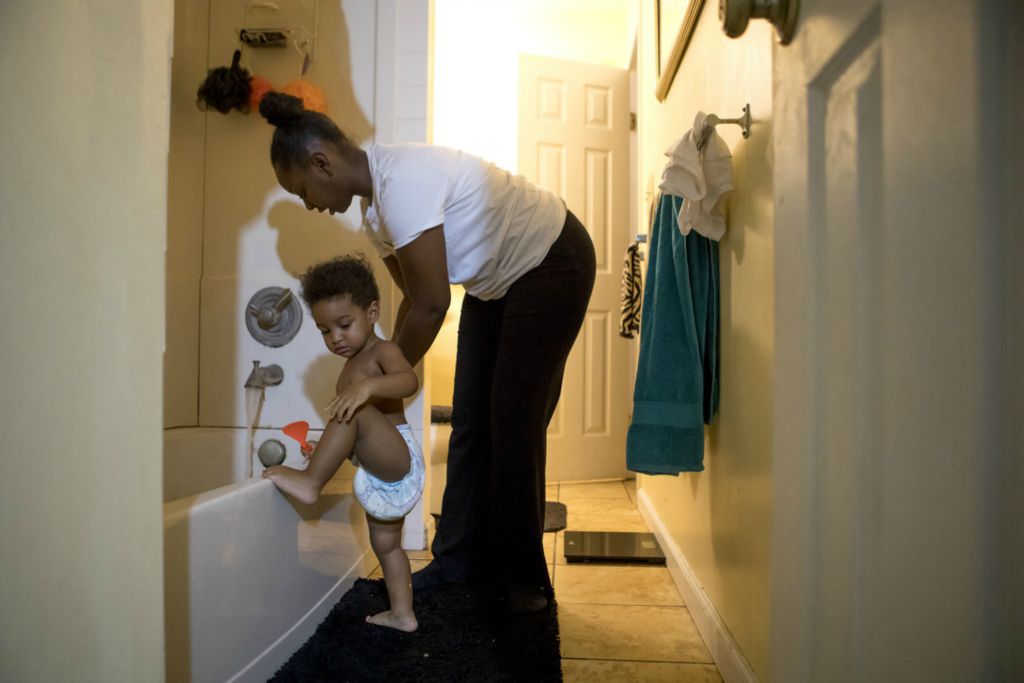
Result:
<point x="721" y="519"/>
<point x="256" y="235"/>
<point x="233" y="230"/>
<point x="83" y="193"/>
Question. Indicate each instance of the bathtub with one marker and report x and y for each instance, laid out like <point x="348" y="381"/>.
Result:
<point x="247" y="575"/>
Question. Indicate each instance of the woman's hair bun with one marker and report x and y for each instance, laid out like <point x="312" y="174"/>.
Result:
<point x="280" y="109"/>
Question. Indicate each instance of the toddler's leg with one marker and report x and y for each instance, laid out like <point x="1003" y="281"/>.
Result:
<point x="335" y="446"/>
<point x="386" y="539"/>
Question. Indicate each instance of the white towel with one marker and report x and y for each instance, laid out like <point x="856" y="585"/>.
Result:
<point x="701" y="179"/>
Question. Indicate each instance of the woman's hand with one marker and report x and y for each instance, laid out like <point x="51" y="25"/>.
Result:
<point x="343" y="407"/>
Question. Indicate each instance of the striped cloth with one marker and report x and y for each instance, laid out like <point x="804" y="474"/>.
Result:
<point x="630" y="294"/>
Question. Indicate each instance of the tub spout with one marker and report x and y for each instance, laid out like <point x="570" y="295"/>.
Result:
<point x="261" y="377"/>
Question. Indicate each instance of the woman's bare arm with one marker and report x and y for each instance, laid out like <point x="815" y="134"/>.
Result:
<point x="403" y="308"/>
<point x="423" y="269"/>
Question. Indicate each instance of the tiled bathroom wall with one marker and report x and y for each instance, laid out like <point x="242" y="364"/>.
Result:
<point x="233" y="231"/>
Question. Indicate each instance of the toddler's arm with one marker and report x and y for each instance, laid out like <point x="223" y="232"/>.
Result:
<point x="398" y="381"/>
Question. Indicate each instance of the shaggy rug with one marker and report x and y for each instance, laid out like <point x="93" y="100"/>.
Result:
<point x="463" y="636"/>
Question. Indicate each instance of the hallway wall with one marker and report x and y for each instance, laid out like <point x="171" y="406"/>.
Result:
<point x="721" y="519"/>
<point x="83" y="199"/>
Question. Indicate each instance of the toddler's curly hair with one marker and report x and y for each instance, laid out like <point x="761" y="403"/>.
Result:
<point x="350" y="274"/>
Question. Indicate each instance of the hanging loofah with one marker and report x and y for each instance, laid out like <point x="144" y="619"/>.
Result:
<point x="258" y="87"/>
<point x="312" y="97"/>
<point x="225" y="88"/>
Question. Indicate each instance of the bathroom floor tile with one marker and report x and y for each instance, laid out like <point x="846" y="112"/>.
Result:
<point x="630" y="485"/>
<point x="606" y="671"/>
<point x="630" y="632"/>
<point x="611" y="516"/>
<point x="610" y="490"/>
<point x="616" y="585"/>
<point x="605" y="506"/>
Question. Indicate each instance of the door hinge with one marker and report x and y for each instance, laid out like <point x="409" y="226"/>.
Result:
<point x="632" y="120"/>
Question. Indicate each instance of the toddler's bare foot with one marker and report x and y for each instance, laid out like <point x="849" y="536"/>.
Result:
<point x="293" y="482"/>
<point x="391" y="620"/>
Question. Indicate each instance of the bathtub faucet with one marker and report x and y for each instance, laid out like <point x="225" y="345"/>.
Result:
<point x="268" y="376"/>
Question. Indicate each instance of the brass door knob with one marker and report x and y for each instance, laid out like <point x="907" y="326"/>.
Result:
<point x="736" y="14"/>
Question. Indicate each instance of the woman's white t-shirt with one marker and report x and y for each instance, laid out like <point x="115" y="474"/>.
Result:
<point x="497" y="226"/>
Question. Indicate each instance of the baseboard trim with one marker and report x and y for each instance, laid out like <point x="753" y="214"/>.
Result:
<point x="731" y="663"/>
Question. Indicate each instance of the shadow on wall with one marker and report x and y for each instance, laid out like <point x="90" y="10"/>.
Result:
<point x="748" y="217"/>
<point x="303" y="239"/>
<point x="248" y="220"/>
<point x="307" y="237"/>
<point x="230" y="154"/>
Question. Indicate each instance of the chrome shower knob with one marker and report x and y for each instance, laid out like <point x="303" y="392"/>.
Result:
<point x="271" y="452"/>
<point x="273" y="316"/>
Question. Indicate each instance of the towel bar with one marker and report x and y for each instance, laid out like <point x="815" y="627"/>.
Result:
<point x="712" y="120"/>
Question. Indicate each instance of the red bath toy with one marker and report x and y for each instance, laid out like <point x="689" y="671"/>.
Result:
<point x="298" y="431"/>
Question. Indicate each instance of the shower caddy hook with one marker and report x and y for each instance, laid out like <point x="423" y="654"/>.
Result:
<point x="290" y="21"/>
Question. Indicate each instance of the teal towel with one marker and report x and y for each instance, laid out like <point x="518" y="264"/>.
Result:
<point x="676" y="391"/>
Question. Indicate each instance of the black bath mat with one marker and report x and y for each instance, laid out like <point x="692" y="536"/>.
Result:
<point x="463" y="636"/>
<point x="554" y="516"/>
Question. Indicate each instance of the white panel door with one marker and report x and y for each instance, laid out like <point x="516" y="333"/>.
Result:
<point x="881" y="297"/>
<point x="574" y="141"/>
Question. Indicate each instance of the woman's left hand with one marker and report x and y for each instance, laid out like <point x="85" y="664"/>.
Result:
<point x="343" y="407"/>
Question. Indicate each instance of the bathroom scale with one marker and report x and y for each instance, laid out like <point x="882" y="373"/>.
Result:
<point x="612" y="546"/>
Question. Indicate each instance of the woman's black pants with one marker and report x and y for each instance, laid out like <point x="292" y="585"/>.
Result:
<point x="508" y="376"/>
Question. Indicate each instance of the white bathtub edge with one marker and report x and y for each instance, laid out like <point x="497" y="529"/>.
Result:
<point x="266" y="664"/>
<point x="174" y="510"/>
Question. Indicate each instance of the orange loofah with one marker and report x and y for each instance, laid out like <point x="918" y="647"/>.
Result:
<point x="258" y="87"/>
<point x="312" y="97"/>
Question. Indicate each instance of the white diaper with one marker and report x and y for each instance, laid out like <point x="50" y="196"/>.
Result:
<point x="390" y="501"/>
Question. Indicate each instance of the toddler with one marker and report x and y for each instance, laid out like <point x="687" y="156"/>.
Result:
<point x="366" y="423"/>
